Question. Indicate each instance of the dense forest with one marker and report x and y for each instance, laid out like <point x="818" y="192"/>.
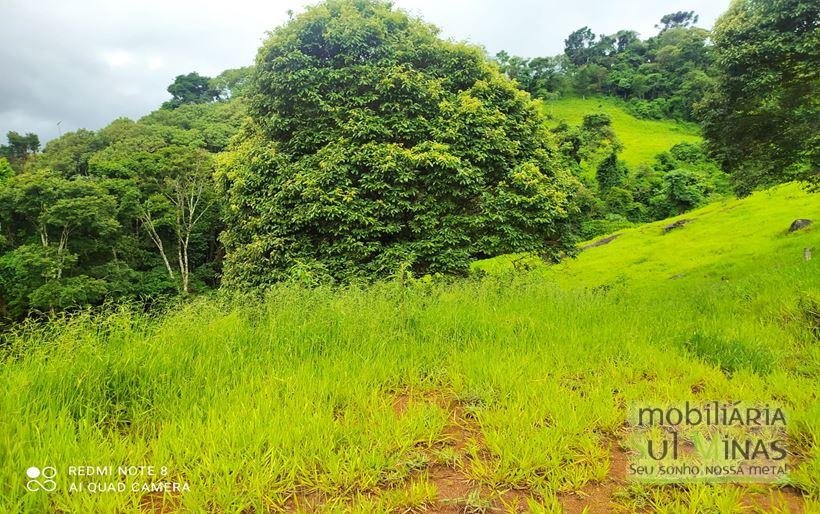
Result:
<point x="361" y="145"/>
<point x="664" y="76"/>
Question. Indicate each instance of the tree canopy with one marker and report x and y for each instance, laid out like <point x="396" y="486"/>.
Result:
<point x="126" y="212"/>
<point x="19" y="148"/>
<point x="192" y="88"/>
<point x="378" y="147"/>
<point x="762" y="118"/>
<point x="663" y="76"/>
<point x="677" y="20"/>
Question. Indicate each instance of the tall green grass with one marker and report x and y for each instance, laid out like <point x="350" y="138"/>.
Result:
<point x="254" y="399"/>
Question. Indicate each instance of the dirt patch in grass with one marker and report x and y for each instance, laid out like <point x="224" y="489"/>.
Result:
<point x="159" y="503"/>
<point x="452" y="488"/>
<point x="400" y="403"/>
<point x="304" y="501"/>
<point x="455" y="492"/>
<point x="676" y="225"/>
<point x="786" y="499"/>
<point x="597" y="497"/>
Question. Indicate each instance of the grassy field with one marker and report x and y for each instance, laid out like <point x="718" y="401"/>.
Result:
<point x="642" y="139"/>
<point x="493" y="394"/>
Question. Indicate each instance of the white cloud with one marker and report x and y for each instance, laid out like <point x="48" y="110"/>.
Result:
<point x="118" y="58"/>
<point x="155" y="63"/>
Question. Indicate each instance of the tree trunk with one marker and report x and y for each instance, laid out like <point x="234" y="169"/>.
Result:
<point x="60" y="250"/>
<point x="44" y="235"/>
<point x="148" y="223"/>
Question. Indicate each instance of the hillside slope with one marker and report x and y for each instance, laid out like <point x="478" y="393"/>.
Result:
<point x="723" y="239"/>
<point x="642" y="139"/>
<point x="507" y="393"/>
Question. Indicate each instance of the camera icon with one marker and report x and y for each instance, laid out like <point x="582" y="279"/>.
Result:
<point x="41" y="479"/>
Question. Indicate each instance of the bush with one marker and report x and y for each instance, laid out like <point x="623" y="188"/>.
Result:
<point x="656" y="109"/>
<point x="376" y="146"/>
<point x="66" y="293"/>
<point x="609" y="224"/>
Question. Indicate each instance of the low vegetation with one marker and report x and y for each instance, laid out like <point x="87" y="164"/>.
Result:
<point x="513" y="386"/>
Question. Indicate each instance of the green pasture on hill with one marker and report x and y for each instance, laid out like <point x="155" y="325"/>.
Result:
<point x="642" y="139"/>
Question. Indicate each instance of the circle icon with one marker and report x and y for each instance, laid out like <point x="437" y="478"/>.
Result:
<point x="47" y="473"/>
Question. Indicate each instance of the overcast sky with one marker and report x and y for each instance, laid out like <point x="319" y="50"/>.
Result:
<point x="84" y="63"/>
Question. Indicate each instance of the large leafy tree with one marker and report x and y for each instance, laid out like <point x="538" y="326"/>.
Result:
<point x="579" y="47"/>
<point x="678" y="19"/>
<point x="377" y="146"/>
<point x="54" y="223"/>
<point x="762" y="120"/>
<point x="541" y="76"/>
<point x="19" y="148"/>
<point x="68" y="155"/>
<point x="233" y="82"/>
<point x="192" y="88"/>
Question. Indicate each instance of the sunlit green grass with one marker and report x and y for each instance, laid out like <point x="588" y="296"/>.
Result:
<point x="642" y="139"/>
<point x="719" y="241"/>
<point x="253" y="400"/>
